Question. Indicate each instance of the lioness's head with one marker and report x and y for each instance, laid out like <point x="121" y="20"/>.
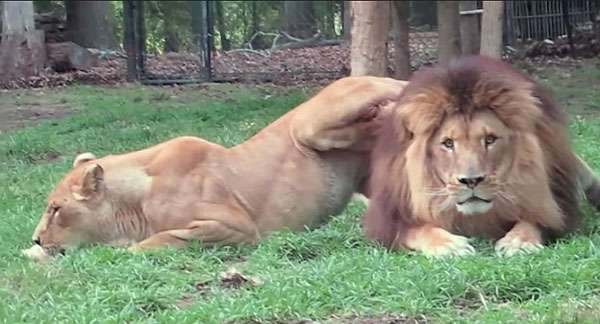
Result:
<point x="72" y="206"/>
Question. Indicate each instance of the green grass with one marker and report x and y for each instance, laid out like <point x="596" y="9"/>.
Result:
<point x="313" y="274"/>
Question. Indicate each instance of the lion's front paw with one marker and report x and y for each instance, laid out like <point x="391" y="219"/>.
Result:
<point x="438" y="243"/>
<point x="513" y="244"/>
<point x="523" y="238"/>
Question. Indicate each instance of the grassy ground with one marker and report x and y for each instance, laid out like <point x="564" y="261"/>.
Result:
<point x="320" y="274"/>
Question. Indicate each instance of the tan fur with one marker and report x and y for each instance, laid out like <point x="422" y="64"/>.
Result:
<point x="296" y="172"/>
<point x="433" y="157"/>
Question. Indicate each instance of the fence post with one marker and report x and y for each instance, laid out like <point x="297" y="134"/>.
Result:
<point x="565" y="12"/>
<point x="208" y="40"/>
<point x="129" y="40"/>
<point x="140" y="41"/>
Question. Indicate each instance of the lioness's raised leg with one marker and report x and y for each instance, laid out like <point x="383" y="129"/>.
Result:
<point x="524" y="237"/>
<point x="345" y="117"/>
<point x="226" y="225"/>
<point x="436" y="242"/>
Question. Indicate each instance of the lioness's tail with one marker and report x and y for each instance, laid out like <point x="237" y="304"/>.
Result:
<point x="590" y="183"/>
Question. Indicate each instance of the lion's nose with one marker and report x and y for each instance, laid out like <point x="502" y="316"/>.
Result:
<point x="471" y="182"/>
<point x="37" y="240"/>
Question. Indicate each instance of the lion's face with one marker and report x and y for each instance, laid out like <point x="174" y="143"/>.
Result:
<point x="73" y="208"/>
<point x="471" y="156"/>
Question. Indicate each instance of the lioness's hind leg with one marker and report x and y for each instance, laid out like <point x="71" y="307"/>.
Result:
<point x="225" y="226"/>
<point x="436" y="242"/>
<point x="524" y="237"/>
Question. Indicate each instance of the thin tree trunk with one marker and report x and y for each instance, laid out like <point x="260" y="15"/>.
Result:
<point x="197" y="9"/>
<point x="346" y="21"/>
<point x="225" y="43"/>
<point x="400" y="13"/>
<point x="22" y="50"/>
<point x="491" y="29"/>
<point x="448" y="30"/>
<point x="88" y="24"/>
<point x="368" y="51"/>
<point x="299" y="18"/>
<point x="469" y="29"/>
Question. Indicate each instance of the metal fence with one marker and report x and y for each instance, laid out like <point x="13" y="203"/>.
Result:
<point x="195" y="41"/>
<point x="540" y="20"/>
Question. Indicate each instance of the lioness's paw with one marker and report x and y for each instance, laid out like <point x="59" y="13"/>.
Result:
<point x="36" y="253"/>
<point x="438" y="243"/>
<point x="134" y="247"/>
<point x="510" y="245"/>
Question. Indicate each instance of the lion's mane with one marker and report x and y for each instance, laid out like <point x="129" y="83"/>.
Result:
<point x="401" y="170"/>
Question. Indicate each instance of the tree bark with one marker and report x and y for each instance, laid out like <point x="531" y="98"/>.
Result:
<point x="346" y="21"/>
<point x="448" y="30"/>
<point x="368" y="53"/>
<point x="491" y="29"/>
<point x="299" y="18"/>
<point x="88" y="24"/>
<point x="400" y="13"/>
<point x="22" y="50"/>
<point x="225" y="43"/>
<point x="67" y="56"/>
<point x="469" y="29"/>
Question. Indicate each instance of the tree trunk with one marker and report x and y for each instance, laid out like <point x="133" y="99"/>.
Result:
<point x="88" y="24"/>
<point x="197" y="9"/>
<point x="346" y="21"/>
<point x="368" y="53"/>
<point x="448" y="30"/>
<point x="299" y="18"/>
<point x="330" y="19"/>
<point x="225" y="43"/>
<point x="67" y="56"/>
<point x="22" y="50"/>
<point x="469" y="29"/>
<point x="400" y="13"/>
<point x="491" y="29"/>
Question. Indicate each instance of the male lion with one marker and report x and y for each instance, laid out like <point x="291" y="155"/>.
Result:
<point x="474" y="148"/>
<point x="296" y="172"/>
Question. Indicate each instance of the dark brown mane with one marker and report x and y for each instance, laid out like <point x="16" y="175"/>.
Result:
<point x="421" y="107"/>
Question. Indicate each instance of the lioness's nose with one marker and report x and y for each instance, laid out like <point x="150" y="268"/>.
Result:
<point x="471" y="182"/>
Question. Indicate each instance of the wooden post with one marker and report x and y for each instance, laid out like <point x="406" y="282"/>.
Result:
<point x="469" y="27"/>
<point x="22" y="51"/>
<point x="491" y="29"/>
<point x="400" y="13"/>
<point x="129" y="40"/>
<point x="368" y="51"/>
<point x="448" y="30"/>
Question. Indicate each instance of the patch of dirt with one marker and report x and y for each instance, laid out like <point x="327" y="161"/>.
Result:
<point x="19" y="115"/>
<point x="233" y="279"/>
<point x="382" y="319"/>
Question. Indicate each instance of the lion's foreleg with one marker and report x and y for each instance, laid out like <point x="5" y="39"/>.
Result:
<point x="524" y="237"/>
<point x="435" y="242"/>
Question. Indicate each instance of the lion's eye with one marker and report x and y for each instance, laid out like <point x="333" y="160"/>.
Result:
<point x="448" y="143"/>
<point x="490" y="139"/>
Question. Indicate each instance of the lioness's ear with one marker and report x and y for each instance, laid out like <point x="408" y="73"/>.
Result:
<point x="91" y="182"/>
<point x="82" y="158"/>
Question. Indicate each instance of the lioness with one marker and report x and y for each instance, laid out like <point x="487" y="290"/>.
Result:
<point x="474" y="148"/>
<point x="296" y="172"/>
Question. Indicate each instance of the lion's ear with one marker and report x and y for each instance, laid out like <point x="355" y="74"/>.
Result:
<point x="83" y="158"/>
<point x="91" y="182"/>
